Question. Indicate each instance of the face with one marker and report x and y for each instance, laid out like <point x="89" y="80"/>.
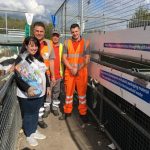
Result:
<point x="75" y="33"/>
<point x="39" y="32"/>
<point x="32" y="48"/>
<point x="55" y="38"/>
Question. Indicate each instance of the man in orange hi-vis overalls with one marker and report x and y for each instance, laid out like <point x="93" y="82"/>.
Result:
<point x="75" y="57"/>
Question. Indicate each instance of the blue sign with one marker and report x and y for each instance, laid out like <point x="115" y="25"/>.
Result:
<point x="130" y="86"/>
<point x="53" y="17"/>
<point x="132" y="46"/>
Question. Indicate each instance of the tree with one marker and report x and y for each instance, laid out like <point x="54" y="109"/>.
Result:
<point x="140" y="18"/>
<point x="48" y="30"/>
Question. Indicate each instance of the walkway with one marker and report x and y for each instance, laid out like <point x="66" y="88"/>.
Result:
<point x="67" y="135"/>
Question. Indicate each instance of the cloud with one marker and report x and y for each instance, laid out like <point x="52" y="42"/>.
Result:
<point x="21" y="5"/>
<point x="34" y="7"/>
<point x="40" y="8"/>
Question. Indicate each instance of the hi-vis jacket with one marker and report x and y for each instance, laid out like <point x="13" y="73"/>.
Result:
<point x="45" y="53"/>
<point x="76" y="57"/>
<point x="60" y="57"/>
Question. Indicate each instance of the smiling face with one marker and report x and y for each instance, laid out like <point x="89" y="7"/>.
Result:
<point x="39" y="32"/>
<point x="32" y="48"/>
<point x="75" y="33"/>
<point x="55" y="38"/>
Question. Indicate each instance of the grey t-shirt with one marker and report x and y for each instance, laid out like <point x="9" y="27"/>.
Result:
<point x="52" y="54"/>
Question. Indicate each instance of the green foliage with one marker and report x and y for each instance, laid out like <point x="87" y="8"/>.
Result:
<point x="14" y="23"/>
<point x="48" y="30"/>
<point x="140" y="18"/>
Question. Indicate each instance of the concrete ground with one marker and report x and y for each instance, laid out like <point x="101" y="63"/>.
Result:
<point x="70" y="134"/>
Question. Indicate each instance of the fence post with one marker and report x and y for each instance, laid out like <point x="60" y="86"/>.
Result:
<point x="81" y="18"/>
<point x="6" y="21"/>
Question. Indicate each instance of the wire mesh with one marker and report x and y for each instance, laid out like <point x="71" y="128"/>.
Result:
<point x="6" y="19"/>
<point x="126" y="134"/>
<point x="10" y="118"/>
<point x="104" y="15"/>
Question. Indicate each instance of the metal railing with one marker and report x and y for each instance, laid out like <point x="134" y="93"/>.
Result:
<point x="10" y="116"/>
<point x="12" y="32"/>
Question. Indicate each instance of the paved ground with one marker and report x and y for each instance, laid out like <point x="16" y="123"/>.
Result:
<point x="68" y="135"/>
<point x="58" y="137"/>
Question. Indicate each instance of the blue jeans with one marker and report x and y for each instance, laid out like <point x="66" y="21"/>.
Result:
<point x="30" y="110"/>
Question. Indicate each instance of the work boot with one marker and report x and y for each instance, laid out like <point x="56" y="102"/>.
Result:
<point x="55" y="112"/>
<point x="64" y="116"/>
<point x="42" y="124"/>
<point x="46" y="113"/>
<point x="84" y="118"/>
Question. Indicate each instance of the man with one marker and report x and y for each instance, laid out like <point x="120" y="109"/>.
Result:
<point x="48" y="55"/>
<point x="75" y="57"/>
<point x="58" y="73"/>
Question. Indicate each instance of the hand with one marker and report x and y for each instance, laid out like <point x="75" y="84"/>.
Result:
<point x="11" y="69"/>
<point x="74" y="71"/>
<point x="48" y="91"/>
<point x="53" y="81"/>
<point x="81" y="66"/>
<point x="30" y="91"/>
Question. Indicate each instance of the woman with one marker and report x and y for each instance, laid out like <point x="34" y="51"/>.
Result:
<point x="29" y="95"/>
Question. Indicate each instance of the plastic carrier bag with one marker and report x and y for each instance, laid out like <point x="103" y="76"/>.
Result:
<point x="31" y="74"/>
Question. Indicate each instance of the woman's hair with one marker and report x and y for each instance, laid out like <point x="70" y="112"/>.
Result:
<point x="26" y="42"/>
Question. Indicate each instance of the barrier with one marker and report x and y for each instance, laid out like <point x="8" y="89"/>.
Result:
<point x="125" y="122"/>
<point x="10" y="116"/>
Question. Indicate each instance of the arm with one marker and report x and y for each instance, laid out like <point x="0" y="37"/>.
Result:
<point x="52" y="67"/>
<point x="52" y="57"/>
<point x="22" y="85"/>
<point x="48" y="88"/>
<point x="66" y="62"/>
<point x="73" y="70"/>
<point x="87" y="60"/>
<point x="86" y="55"/>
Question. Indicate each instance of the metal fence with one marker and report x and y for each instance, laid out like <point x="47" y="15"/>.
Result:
<point x="11" y="23"/>
<point x="127" y="126"/>
<point x="10" y="116"/>
<point x="104" y="15"/>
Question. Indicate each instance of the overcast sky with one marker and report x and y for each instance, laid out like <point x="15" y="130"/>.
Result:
<point x="42" y="9"/>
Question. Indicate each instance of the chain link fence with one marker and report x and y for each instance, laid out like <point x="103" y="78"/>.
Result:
<point x="10" y="116"/>
<point x="125" y="124"/>
<point x="103" y="15"/>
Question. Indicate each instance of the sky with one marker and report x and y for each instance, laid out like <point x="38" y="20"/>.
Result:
<point x="42" y="9"/>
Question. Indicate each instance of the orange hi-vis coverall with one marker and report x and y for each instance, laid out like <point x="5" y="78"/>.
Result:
<point x="79" y="81"/>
